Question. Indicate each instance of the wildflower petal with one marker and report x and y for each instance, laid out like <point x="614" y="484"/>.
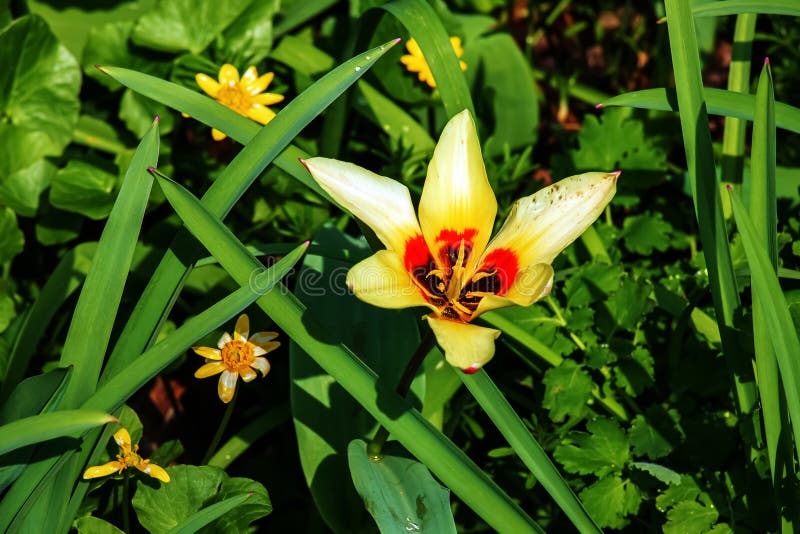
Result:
<point x="413" y="48"/>
<point x="123" y="439"/>
<point x="247" y="374"/>
<point x="381" y="203"/>
<point x="540" y="226"/>
<point x="258" y="85"/>
<point x="224" y="340"/>
<point x="259" y="338"/>
<point x="456" y="44"/>
<point x="249" y="76"/>
<point x="267" y="99"/>
<point x="465" y="345"/>
<point x="209" y="369"/>
<point x="153" y="470"/>
<point x="261" y="365"/>
<point x="207" y="84"/>
<point x="457" y="201"/>
<point x="382" y="280"/>
<point x="264" y="348"/>
<point x="530" y="285"/>
<point x="217" y="135"/>
<point x="242" y="329"/>
<point x="260" y="114"/>
<point x="208" y="352"/>
<point x="228" y="75"/>
<point x="103" y="470"/>
<point x="227" y="385"/>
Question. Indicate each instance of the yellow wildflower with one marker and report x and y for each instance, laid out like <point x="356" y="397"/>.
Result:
<point x="415" y="61"/>
<point x="129" y="457"/>
<point x="237" y="356"/>
<point x="244" y="95"/>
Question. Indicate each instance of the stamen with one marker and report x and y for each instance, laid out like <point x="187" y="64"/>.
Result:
<point x="454" y="284"/>
<point x="479" y="294"/>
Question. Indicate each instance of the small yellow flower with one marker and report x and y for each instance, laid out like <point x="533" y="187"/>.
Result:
<point x="237" y="356"/>
<point x="415" y="61"/>
<point x="129" y="457"/>
<point x="244" y="95"/>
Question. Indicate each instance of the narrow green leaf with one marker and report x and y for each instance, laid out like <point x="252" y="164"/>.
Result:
<point x="116" y="391"/>
<point x="209" y="514"/>
<point x="775" y="311"/>
<point x="527" y="448"/>
<point x="43" y="427"/>
<point x="719" y="101"/>
<point x="705" y="191"/>
<point x="254" y="430"/>
<point x="431" y="447"/>
<point x="96" y="309"/>
<point x="736" y="7"/>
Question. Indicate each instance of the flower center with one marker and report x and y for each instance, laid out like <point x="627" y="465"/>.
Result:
<point x="237" y="354"/>
<point x="235" y="97"/>
<point x="453" y="284"/>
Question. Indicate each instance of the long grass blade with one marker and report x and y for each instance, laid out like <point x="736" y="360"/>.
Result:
<point x="738" y="7"/>
<point x="43" y="427"/>
<point x="432" y="448"/>
<point x="719" y="102"/>
<point x="208" y="514"/>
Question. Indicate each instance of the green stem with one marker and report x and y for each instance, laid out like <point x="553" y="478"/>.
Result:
<point x="375" y="446"/>
<point x="212" y="447"/>
<point x="126" y="502"/>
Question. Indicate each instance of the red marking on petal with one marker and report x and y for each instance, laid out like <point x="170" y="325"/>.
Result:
<point x="416" y="253"/>
<point x="471" y="370"/>
<point x="505" y="263"/>
<point x="451" y="236"/>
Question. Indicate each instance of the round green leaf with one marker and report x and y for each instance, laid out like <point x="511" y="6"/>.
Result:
<point x="83" y="188"/>
<point x="11" y="238"/>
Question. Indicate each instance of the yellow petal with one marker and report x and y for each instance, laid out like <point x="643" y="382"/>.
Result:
<point x="224" y="340"/>
<point x="209" y="369"/>
<point x="208" y="352"/>
<point x="457" y="201"/>
<point x="383" y="281"/>
<point x="123" y="439"/>
<point x="381" y="203"/>
<point x="540" y="226"/>
<point x="456" y="43"/>
<point x="242" y="329"/>
<point x="207" y="84"/>
<point x="465" y="346"/>
<point x="258" y="85"/>
<point x="249" y="76"/>
<point x="228" y="75"/>
<point x="531" y="284"/>
<point x="227" y="386"/>
<point x="153" y="470"/>
<point x="462" y="65"/>
<point x="264" y="348"/>
<point x="267" y="99"/>
<point x="103" y="470"/>
<point x="261" y="365"/>
<point x="260" y="114"/>
<point x="247" y="374"/>
<point x="217" y="135"/>
<point x="259" y="338"/>
<point x="413" y="47"/>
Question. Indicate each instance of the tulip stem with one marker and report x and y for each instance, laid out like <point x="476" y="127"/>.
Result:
<point x="212" y="447"/>
<point x="375" y="446"/>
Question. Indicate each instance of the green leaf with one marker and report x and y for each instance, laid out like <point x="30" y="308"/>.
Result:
<point x="400" y="493"/>
<point x="43" y="427"/>
<point x="33" y="395"/>
<point x="83" y="188"/>
<point x="191" y="489"/>
<point x="603" y="450"/>
<point x="686" y="490"/>
<point x="137" y="112"/>
<point x="647" y="440"/>
<point x="90" y="329"/>
<point x="94" y="525"/>
<point x="690" y="516"/>
<point x="185" y="25"/>
<point x="629" y="303"/>
<point x="611" y="500"/>
<point x="634" y="373"/>
<point x="20" y="191"/>
<point x="592" y="282"/>
<point x="643" y="233"/>
<point x="568" y="389"/>
<point x="248" y="40"/>
<point x="38" y="94"/>
<point x="735" y="7"/>
<point x="719" y="101"/>
<point x="249" y="434"/>
<point x="664" y="474"/>
<point x="11" y="238"/>
<point x="326" y="419"/>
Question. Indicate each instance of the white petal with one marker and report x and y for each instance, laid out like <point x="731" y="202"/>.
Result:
<point x="382" y="280"/>
<point x="457" y="197"/>
<point x="227" y="385"/>
<point x="465" y="346"/>
<point x="261" y="365"/>
<point x="540" y="226"/>
<point x="381" y="203"/>
<point x="224" y="340"/>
